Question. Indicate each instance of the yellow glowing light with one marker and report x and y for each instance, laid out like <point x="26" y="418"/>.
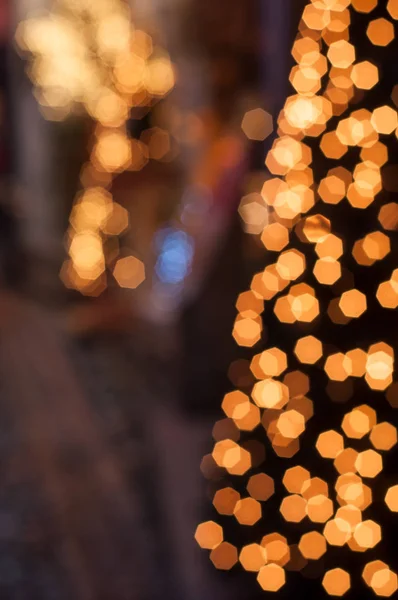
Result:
<point x="271" y="578"/>
<point x="224" y="556"/>
<point x="383" y="436"/>
<point x="353" y="303"/>
<point x="308" y="350"/>
<point x="380" y="32"/>
<point x="336" y="582"/>
<point x="341" y="54"/>
<point x="253" y="557"/>
<point x="384" y="119"/>
<point x="295" y="478"/>
<point x="391" y="498"/>
<point x="261" y="486"/>
<point x="364" y="6"/>
<point x="129" y="272"/>
<point x="257" y="124"/>
<point x="209" y="535"/>
<point x="225" y="501"/>
<point x="312" y="545"/>
<point x="330" y="444"/>
<point x="293" y="508"/>
<point x="365" y="75"/>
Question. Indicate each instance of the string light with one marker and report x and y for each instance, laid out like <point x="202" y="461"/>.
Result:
<point x="88" y="55"/>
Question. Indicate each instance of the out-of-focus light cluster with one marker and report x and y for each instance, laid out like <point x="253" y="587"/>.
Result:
<point x="327" y="76"/>
<point x="88" y="55"/>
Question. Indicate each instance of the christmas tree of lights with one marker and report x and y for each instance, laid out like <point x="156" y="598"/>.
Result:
<point x="301" y="468"/>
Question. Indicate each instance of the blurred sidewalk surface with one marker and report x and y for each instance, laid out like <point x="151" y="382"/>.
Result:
<point x="100" y="490"/>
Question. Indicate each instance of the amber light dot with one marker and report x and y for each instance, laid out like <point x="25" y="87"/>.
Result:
<point x="384" y="582"/>
<point x="360" y="256"/>
<point x="384" y="119"/>
<point x="246" y="332"/>
<point x="234" y="403"/>
<point x="364" y="6"/>
<point x="359" y="196"/>
<point x="353" y="303"/>
<point x="388" y="216"/>
<point x="229" y="455"/>
<point x="369" y="463"/>
<point x="225" y="500"/>
<point x="129" y="272"/>
<point x="294" y="479"/>
<point x="332" y="189"/>
<point x="329" y="444"/>
<point x="261" y="486"/>
<point x="345" y="461"/>
<point x="270" y="394"/>
<point x="209" y="535"/>
<point x="257" y="124"/>
<point x="371" y="568"/>
<point x="336" y="582"/>
<point x="367" y="534"/>
<point x="380" y="32"/>
<point x="376" y="245"/>
<point x="314" y="486"/>
<point x="380" y="362"/>
<point x="253" y="213"/>
<point x="303" y="303"/>
<point x="271" y="578"/>
<point x="316" y="228"/>
<point x="308" y="350"/>
<point x="350" y="514"/>
<point x="392" y="395"/>
<point x="358" y="360"/>
<point x="337" y="532"/>
<point x="291" y="424"/>
<point x="290" y="264"/>
<point x="383" y="436"/>
<point x="312" y="545"/>
<point x="293" y="508"/>
<point x="332" y="147"/>
<point x="377" y="154"/>
<point x="329" y="247"/>
<point x="224" y="557"/>
<point x="387" y="294"/>
<point x="277" y="548"/>
<point x="297" y="382"/>
<point x="379" y="368"/>
<point x="275" y="237"/>
<point x="319" y="508"/>
<point x="341" y="54"/>
<point x="303" y="405"/>
<point x="338" y="367"/>
<point x="273" y="362"/>
<point x="351" y="490"/>
<point x="247" y="511"/>
<point x="392" y="7"/>
<point x="391" y="498"/>
<point x="252" y="557"/>
<point x="365" y="75"/>
<point x="249" y="302"/>
<point x="327" y="270"/>
<point x="249" y="419"/>
<point x="359" y="422"/>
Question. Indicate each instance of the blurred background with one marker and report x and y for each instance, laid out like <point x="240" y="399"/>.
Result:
<point x="123" y="162"/>
<point x="133" y="137"/>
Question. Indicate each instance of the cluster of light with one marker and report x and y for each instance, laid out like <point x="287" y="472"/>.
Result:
<point x="87" y="54"/>
<point x="327" y="76"/>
